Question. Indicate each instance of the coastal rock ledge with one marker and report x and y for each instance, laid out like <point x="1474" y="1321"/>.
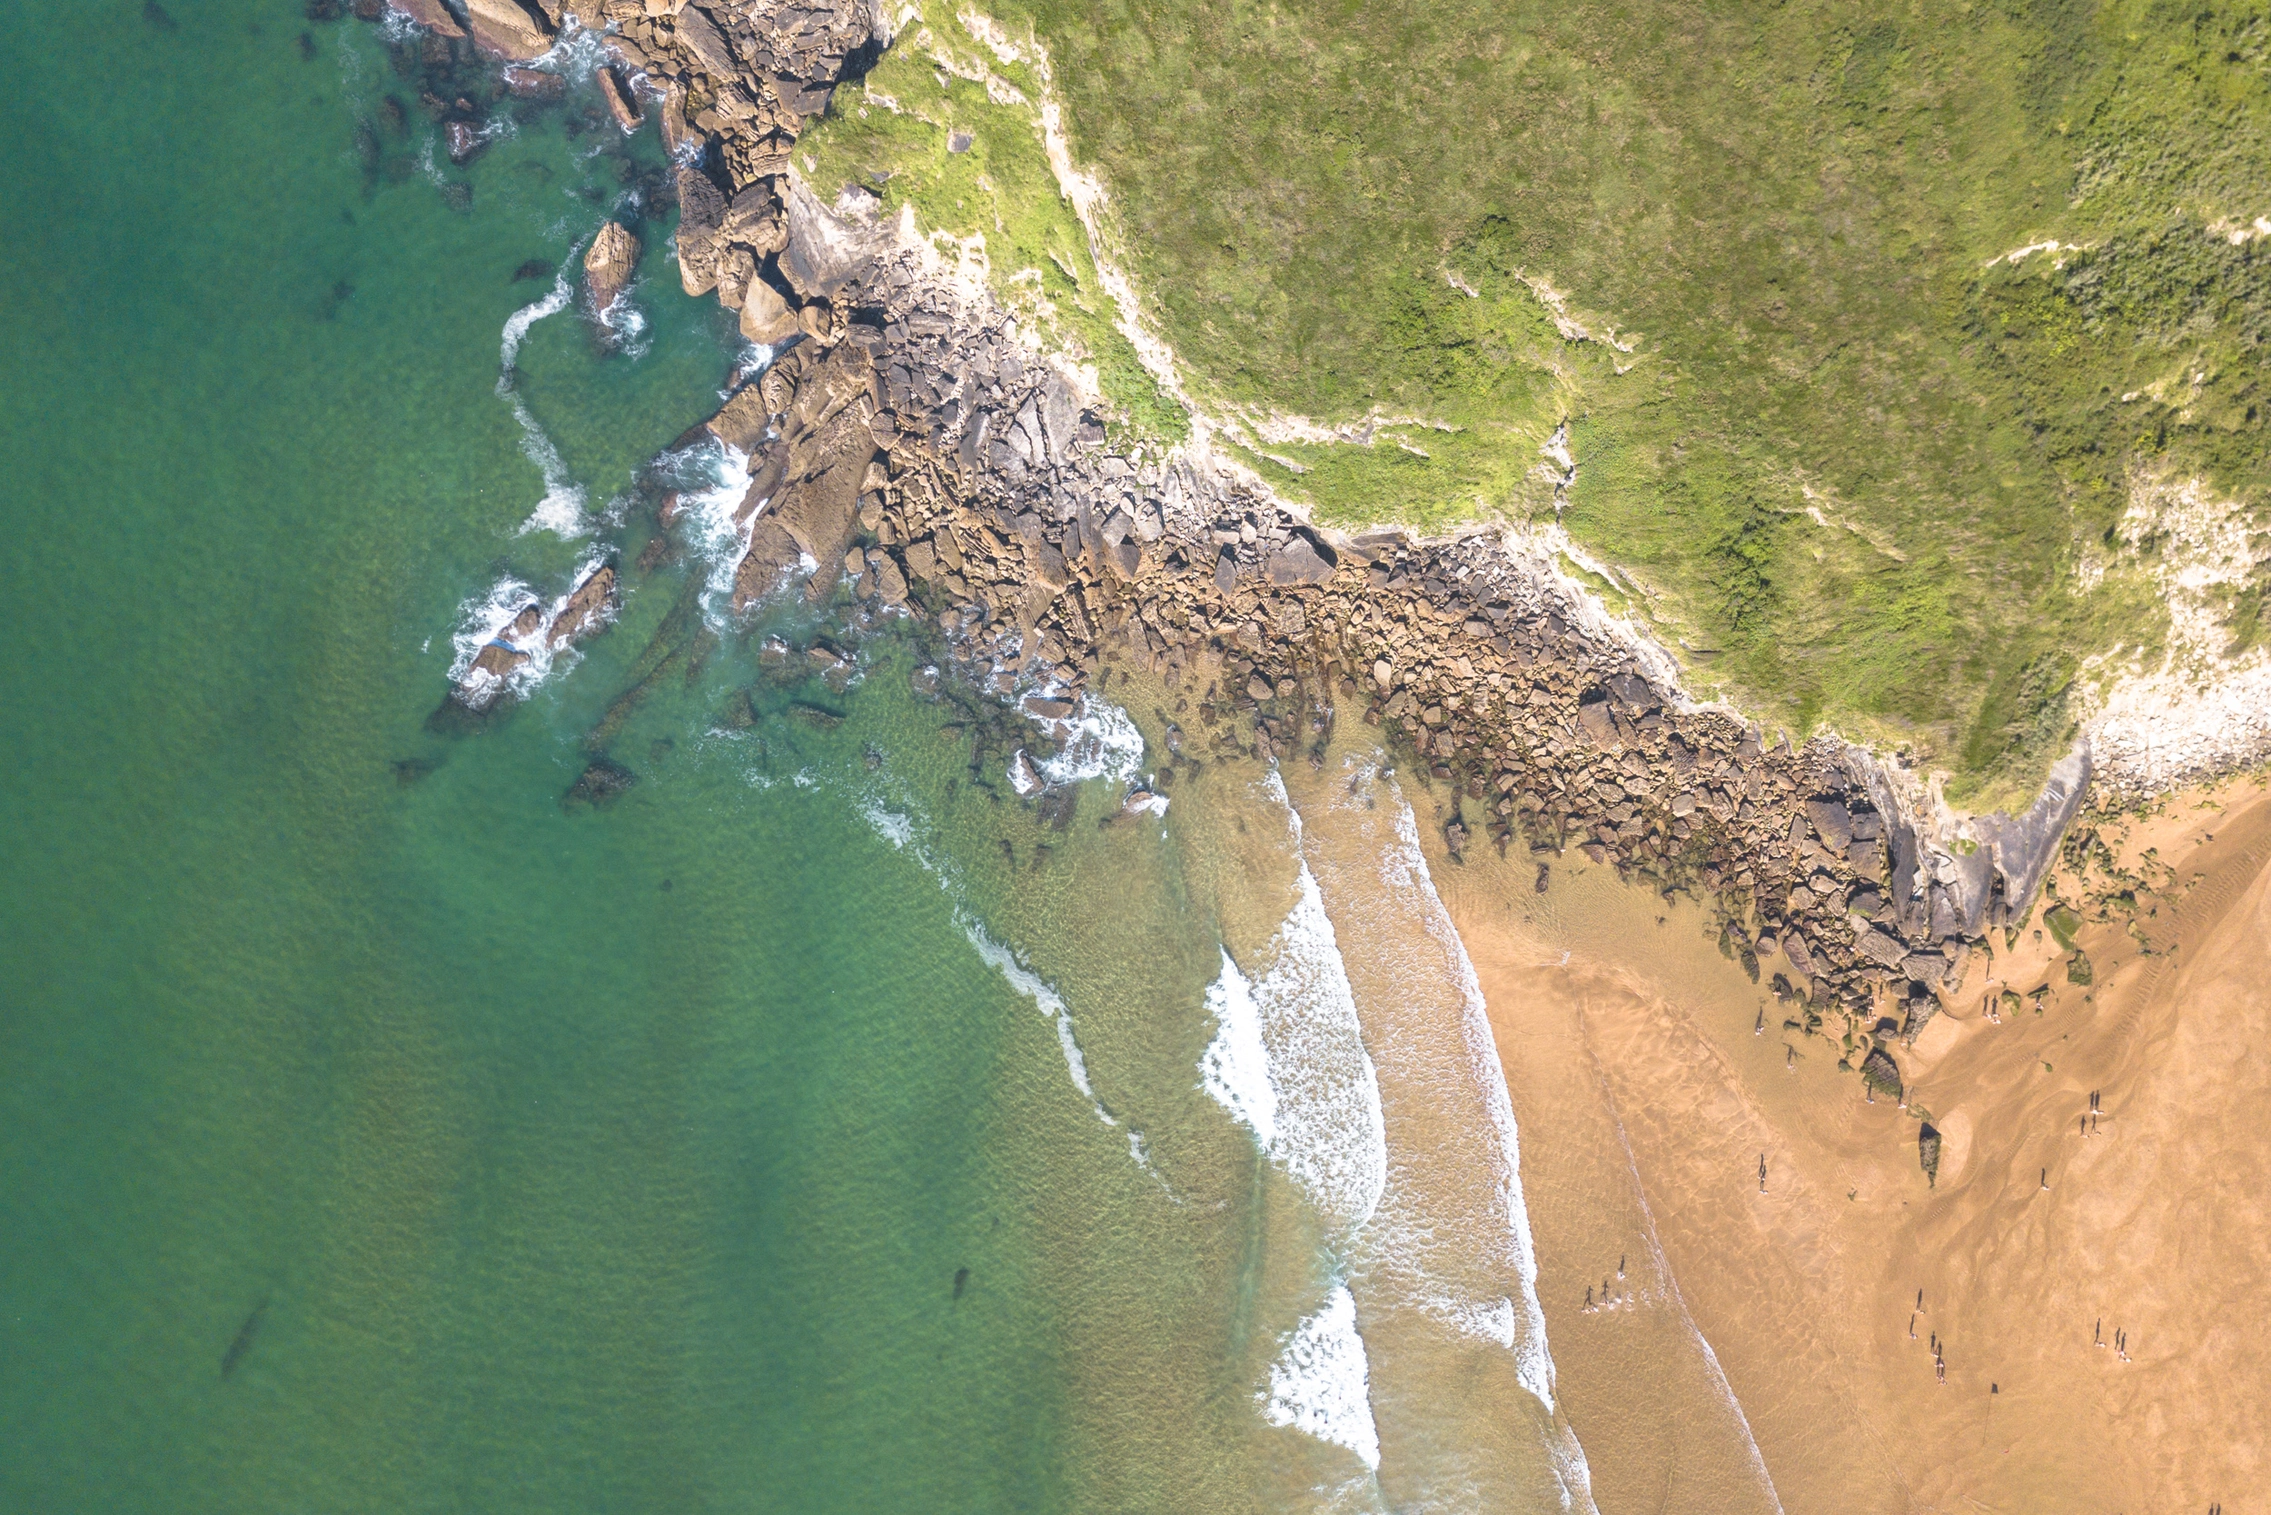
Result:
<point x="910" y="436"/>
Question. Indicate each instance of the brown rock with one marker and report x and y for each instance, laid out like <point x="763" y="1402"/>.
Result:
<point x="890" y="583"/>
<point x="620" y="103"/>
<point x="431" y="15"/>
<point x="532" y="83"/>
<point x="701" y="212"/>
<point x="742" y="424"/>
<point x="829" y="453"/>
<point x="508" y="29"/>
<point x="1298" y="563"/>
<point x="463" y="141"/>
<point x="765" y="316"/>
<point x="601" y="783"/>
<point x="709" y="48"/>
<point x="586" y="609"/>
<point x="1594" y="719"/>
<point x="609" y="263"/>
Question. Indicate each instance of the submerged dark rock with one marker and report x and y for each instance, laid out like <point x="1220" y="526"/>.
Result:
<point x="242" y="1343"/>
<point x="601" y="784"/>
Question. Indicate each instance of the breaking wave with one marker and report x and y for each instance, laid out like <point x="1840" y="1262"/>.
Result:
<point x="1404" y="868"/>
<point x="1321" y="1383"/>
<point x="1288" y="1058"/>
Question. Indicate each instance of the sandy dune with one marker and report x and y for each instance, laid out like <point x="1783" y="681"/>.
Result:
<point x="1648" y="1101"/>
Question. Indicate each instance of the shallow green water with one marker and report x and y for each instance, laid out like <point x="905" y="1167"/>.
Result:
<point x="615" y="1160"/>
<point x="379" y="1132"/>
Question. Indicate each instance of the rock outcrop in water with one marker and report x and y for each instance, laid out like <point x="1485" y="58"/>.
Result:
<point x="609" y="264"/>
<point x="487" y="683"/>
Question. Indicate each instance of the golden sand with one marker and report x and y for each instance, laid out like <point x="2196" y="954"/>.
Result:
<point x="1649" y="1095"/>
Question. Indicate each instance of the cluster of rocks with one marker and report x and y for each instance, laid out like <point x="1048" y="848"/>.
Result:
<point x="944" y="467"/>
<point x="487" y="682"/>
<point x="912" y="440"/>
<point x="736" y="83"/>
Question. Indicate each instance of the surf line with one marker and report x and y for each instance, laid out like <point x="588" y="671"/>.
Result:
<point x="898" y="827"/>
<point x="561" y="511"/>
<point x="1288" y="1062"/>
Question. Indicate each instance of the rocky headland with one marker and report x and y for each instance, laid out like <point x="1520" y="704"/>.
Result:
<point x="910" y="438"/>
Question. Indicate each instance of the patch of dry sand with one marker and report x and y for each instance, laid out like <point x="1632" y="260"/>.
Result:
<point x="1647" y="1102"/>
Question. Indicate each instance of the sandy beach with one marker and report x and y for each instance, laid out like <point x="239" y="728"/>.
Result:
<point x="2071" y="1317"/>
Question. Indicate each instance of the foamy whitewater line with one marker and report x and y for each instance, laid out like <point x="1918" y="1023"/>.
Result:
<point x="1288" y="1058"/>
<point x="1533" y="1355"/>
<point x="1533" y="1361"/>
<point x="898" y="828"/>
<point x="709" y="529"/>
<point x="561" y="511"/>
<point x="1102" y="742"/>
<point x="1321" y="1384"/>
<point x="1235" y="1068"/>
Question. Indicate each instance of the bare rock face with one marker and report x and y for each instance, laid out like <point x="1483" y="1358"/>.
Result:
<point x="829" y="444"/>
<point x="464" y="141"/>
<point x="586" y="609"/>
<point x="621" y="104"/>
<point x="507" y="29"/>
<point x="609" y="263"/>
<point x="501" y="656"/>
<point x="701" y="215"/>
<point x="765" y="316"/>
<point x="431" y="15"/>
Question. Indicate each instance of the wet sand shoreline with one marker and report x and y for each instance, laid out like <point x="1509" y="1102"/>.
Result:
<point x="1648" y="1093"/>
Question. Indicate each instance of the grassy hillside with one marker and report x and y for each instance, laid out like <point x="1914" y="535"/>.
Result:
<point x="1861" y="464"/>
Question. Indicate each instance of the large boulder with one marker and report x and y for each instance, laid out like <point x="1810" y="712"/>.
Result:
<point x="742" y="423"/>
<point x="706" y="43"/>
<point x="609" y="263"/>
<point x="701" y="213"/>
<point x="1298" y="563"/>
<point x="587" y="608"/>
<point x="817" y="511"/>
<point x="621" y="103"/>
<point x="508" y="29"/>
<point x="765" y="316"/>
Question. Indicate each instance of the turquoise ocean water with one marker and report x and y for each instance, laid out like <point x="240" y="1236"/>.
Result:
<point x="378" y="1133"/>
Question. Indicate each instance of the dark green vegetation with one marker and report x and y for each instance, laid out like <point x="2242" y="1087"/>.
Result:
<point x="1852" y="467"/>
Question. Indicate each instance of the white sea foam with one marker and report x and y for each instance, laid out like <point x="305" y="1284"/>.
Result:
<point x="1321" y="1383"/>
<point x="899" y="828"/>
<point x="561" y="511"/>
<point x="1324" y="1122"/>
<point x="1235" y="1067"/>
<point x="1035" y="988"/>
<point x="1405" y="867"/>
<point x="718" y="482"/>
<point x="1099" y="742"/>
<point x="485" y="619"/>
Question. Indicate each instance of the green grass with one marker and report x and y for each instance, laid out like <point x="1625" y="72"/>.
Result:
<point x="1854" y="466"/>
<point x="894" y="134"/>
